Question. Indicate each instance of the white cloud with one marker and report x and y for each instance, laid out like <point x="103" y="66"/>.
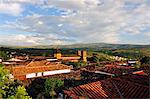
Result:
<point x="59" y="25"/>
<point x="40" y="22"/>
<point x="26" y="39"/>
<point x="19" y="37"/>
<point x="14" y="9"/>
<point x="85" y="20"/>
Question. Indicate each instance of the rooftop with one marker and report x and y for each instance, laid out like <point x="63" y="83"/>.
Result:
<point x="37" y="66"/>
<point x="117" y="70"/>
<point x="110" y="88"/>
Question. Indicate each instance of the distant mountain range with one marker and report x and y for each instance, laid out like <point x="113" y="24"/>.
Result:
<point x="96" y="45"/>
<point x="89" y="45"/>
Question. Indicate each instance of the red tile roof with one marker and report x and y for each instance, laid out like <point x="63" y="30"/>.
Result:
<point x="117" y="70"/>
<point x="21" y="70"/>
<point x="37" y="66"/>
<point x="37" y="63"/>
<point x="110" y="88"/>
<point x="117" y="66"/>
<point x="141" y="72"/>
<point x="140" y="79"/>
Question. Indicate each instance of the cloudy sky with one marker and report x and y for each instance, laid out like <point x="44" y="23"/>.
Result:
<point x="45" y="22"/>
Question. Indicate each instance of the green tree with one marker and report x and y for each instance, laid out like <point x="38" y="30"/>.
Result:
<point x="145" y="60"/>
<point x="20" y="93"/>
<point x="10" y="89"/>
<point x="95" y="58"/>
<point x="45" y="54"/>
<point x="52" y="85"/>
<point x="3" y="78"/>
<point x="3" y="55"/>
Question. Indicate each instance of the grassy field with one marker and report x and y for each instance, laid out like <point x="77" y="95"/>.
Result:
<point x="134" y="53"/>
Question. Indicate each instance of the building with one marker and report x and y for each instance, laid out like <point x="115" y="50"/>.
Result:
<point x="132" y="62"/>
<point x="84" y="56"/>
<point x="112" y="70"/>
<point x="15" y="60"/>
<point x="113" y="88"/>
<point x="81" y="55"/>
<point x="39" y="69"/>
<point x="140" y="72"/>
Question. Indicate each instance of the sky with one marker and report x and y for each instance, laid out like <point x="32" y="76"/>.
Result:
<point x="50" y="22"/>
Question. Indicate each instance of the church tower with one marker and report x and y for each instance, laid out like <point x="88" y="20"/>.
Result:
<point x="84" y="56"/>
<point x="57" y="54"/>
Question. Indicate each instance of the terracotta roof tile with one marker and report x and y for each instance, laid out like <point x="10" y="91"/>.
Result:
<point x="37" y="63"/>
<point x="141" y="72"/>
<point x="116" y="70"/>
<point x="140" y="79"/>
<point x="110" y="88"/>
<point x="38" y="66"/>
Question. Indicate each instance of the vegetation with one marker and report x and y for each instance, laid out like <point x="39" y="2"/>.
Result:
<point x="45" y="88"/>
<point x="49" y="87"/>
<point x="36" y="88"/>
<point x="127" y="51"/>
<point x="11" y="89"/>
<point x="76" y="64"/>
<point x="52" y="85"/>
<point x="145" y="60"/>
<point x="95" y="46"/>
<point x="3" y="55"/>
<point x="136" y="53"/>
<point x="20" y="93"/>
<point x="96" y="56"/>
<point x="45" y="54"/>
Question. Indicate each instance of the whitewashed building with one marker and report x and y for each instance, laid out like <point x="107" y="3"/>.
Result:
<point x="39" y="69"/>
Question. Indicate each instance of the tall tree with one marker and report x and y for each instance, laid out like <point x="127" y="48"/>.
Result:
<point x="51" y="85"/>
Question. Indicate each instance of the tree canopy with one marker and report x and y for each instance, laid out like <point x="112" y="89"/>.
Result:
<point x="3" y="55"/>
<point x="51" y="85"/>
<point x="145" y="60"/>
<point x="10" y="89"/>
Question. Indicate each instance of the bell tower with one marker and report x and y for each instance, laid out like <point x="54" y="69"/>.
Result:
<point x="57" y="54"/>
<point x="84" y="56"/>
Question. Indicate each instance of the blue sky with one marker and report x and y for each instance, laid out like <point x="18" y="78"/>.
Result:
<point x="46" y="22"/>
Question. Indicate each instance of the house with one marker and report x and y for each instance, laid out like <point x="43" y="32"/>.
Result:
<point x="39" y="69"/>
<point x="15" y="60"/>
<point x="132" y="62"/>
<point x="136" y="78"/>
<point x="113" y="88"/>
<point x="81" y="55"/>
<point x="116" y="70"/>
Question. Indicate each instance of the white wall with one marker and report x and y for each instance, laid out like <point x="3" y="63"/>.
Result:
<point x="39" y="74"/>
<point x="31" y="75"/>
<point x="46" y="73"/>
<point x="56" y="72"/>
